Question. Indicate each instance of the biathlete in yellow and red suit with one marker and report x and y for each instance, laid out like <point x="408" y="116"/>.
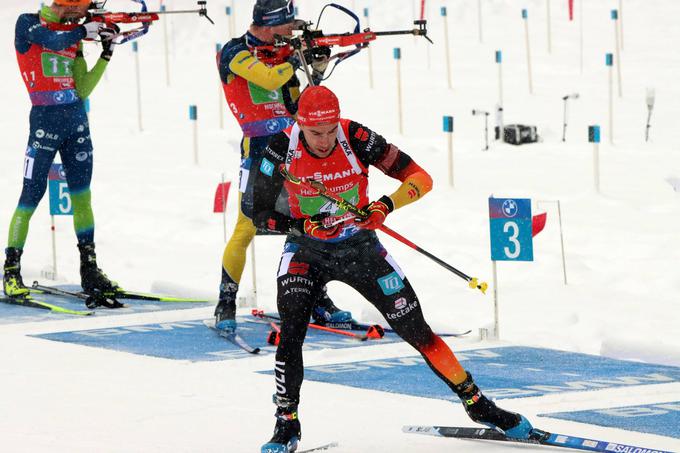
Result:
<point x="49" y="52"/>
<point x="261" y="89"/>
<point x="324" y="243"/>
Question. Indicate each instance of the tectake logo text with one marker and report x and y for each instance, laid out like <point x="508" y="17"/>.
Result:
<point x="403" y="311"/>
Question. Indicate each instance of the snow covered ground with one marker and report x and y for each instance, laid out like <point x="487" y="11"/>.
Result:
<point x="156" y="231"/>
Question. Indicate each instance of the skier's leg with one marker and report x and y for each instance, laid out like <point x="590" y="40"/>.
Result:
<point x="234" y="255"/>
<point x="233" y="263"/>
<point x="76" y="155"/>
<point x="378" y="277"/>
<point x="40" y="151"/>
<point x="298" y="285"/>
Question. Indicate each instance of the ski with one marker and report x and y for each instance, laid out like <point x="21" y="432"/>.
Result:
<point x="374" y="332"/>
<point x="30" y="301"/>
<point x="91" y="300"/>
<point x="354" y="325"/>
<point x="319" y="448"/>
<point x="541" y="438"/>
<point x="232" y="337"/>
<point x="123" y="294"/>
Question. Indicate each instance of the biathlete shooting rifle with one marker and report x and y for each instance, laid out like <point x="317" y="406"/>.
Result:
<point x="319" y="188"/>
<point x="146" y="18"/>
<point x="313" y="39"/>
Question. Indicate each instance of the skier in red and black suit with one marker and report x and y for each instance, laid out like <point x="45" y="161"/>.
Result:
<point x="326" y="243"/>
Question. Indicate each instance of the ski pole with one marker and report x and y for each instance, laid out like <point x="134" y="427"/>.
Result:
<point x="473" y="282"/>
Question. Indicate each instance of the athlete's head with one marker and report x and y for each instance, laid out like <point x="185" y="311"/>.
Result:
<point x="318" y="117"/>
<point x="273" y="17"/>
<point x="71" y="9"/>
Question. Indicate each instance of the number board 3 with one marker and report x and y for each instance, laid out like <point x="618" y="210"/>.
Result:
<point x="510" y="228"/>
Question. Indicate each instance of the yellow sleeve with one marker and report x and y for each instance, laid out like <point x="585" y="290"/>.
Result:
<point x="244" y="64"/>
<point x="413" y="188"/>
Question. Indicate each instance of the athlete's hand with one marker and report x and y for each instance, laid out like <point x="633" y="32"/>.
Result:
<point x="318" y="58"/>
<point x="108" y="35"/>
<point x="92" y="29"/>
<point x="314" y="227"/>
<point x="377" y="213"/>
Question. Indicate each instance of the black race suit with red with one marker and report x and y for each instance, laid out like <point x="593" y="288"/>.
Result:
<point x="357" y="258"/>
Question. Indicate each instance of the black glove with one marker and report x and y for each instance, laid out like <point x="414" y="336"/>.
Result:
<point x="318" y="58"/>
<point x="108" y="35"/>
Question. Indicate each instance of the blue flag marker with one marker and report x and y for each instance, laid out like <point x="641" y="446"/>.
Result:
<point x="594" y="134"/>
<point x="228" y="10"/>
<point x="162" y="8"/>
<point x="525" y="14"/>
<point x="365" y="12"/>
<point x="60" y="197"/>
<point x="218" y="47"/>
<point x="448" y="124"/>
<point x="397" y="53"/>
<point x="609" y="60"/>
<point x="499" y="56"/>
<point x="87" y="105"/>
<point x="510" y="225"/>
<point x="135" y="46"/>
<point x="443" y="11"/>
<point x="615" y="14"/>
<point x="193" y="112"/>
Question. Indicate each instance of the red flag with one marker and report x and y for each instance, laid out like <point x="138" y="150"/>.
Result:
<point x="571" y="9"/>
<point x="221" y="195"/>
<point x="422" y="10"/>
<point x="538" y="223"/>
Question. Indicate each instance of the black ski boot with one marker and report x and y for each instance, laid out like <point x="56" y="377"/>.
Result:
<point x="93" y="280"/>
<point x="287" y="432"/>
<point x="326" y="312"/>
<point x="12" y="283"/>
<point x="482" y="410"/>
<point x="225" y="311"/>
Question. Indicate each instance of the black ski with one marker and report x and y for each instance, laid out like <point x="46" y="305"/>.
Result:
<point x="30" y="301"/>
<point x="538" y="438"/>
<point x="91" y="300"/>
<point x="124" y="294"/>
<point x="232" y="337"/>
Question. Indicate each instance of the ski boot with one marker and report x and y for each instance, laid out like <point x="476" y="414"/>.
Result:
<point x="12" y="283"/>
<point x="326" y="312"/>
<point x="225" y="311"/>
<point x="94" y="281"/>
<point x="287" y="432"/>
<point x="482" y="410"/>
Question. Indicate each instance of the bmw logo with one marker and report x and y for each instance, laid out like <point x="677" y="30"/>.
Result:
<point x="509" y="208"/>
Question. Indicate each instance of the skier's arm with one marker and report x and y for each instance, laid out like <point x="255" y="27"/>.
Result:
<point x="267" y="187"/>
<point x="245" y="64"/>
<point x="86" y="80"/>
<point x="30" y="31"/>
<point x="373" y="149"/>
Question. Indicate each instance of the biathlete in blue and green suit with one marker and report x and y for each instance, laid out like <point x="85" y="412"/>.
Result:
<point x="49" y="52"/>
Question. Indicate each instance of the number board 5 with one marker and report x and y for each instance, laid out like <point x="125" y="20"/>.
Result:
<point x="510" y="227"/>
<point x="60" y="197"/>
